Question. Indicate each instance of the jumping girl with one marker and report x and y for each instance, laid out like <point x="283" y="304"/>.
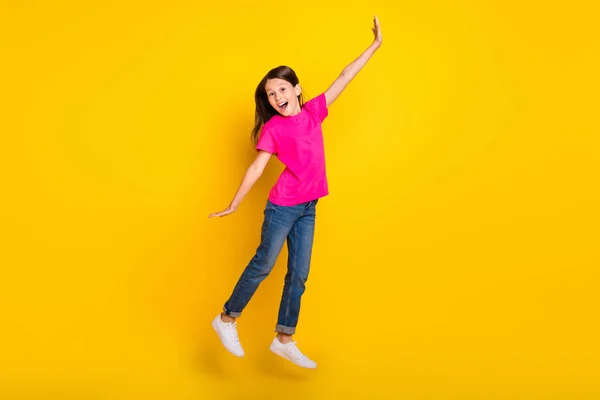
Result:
<point x="287" y="127"/>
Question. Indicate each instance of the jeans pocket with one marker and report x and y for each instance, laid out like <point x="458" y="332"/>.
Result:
<point x="311" y="203"/>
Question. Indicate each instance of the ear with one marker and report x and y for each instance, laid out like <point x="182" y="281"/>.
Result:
<point x="298" y="89"/>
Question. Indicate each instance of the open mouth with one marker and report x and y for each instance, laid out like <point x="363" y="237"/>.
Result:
<point x="283" y="106"/>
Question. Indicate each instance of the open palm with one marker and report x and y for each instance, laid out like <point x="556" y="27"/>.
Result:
<point x="376" y="30"/>
<point x="223" y="213"/>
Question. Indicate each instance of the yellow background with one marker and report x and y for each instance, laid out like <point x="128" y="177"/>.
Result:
<point x="456" y="257"/>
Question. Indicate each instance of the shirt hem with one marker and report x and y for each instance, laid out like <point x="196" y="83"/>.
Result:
<point x="296" y="202"/>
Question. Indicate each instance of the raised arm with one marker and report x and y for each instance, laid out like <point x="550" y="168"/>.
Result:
<point x="354" y="67"/>
<point x="250" y="177"/>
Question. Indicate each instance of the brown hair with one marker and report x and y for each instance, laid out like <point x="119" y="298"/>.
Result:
<point x="264" y="111"/>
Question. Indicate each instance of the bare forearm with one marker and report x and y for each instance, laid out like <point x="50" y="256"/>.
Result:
<point x="352" y="69"/>
<point x="355" y="66"/>
<point x="250" y="178"/>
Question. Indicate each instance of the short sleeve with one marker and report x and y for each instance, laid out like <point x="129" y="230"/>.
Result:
<point x="266" y="141"/>
<point x="318" y="107"/>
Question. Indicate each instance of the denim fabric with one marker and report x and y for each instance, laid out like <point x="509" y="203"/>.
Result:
<point x="296" y="224"/>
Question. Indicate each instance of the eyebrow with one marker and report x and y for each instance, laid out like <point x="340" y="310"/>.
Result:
<point x="281" y="84"/>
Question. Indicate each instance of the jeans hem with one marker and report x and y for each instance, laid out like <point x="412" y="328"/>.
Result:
<point x="288" y="330"/>
<point x="232" y="314"/>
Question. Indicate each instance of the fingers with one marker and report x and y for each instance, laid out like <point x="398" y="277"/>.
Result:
<point x="375" y="24"/>
<point x="376" y="28"/>
<point x="220" y="214"/>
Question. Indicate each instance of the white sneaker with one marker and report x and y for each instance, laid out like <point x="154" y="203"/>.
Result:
<point x="290" y="351"/>
<point x="227" y="332"/>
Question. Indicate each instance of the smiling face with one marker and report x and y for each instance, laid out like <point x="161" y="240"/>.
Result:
<point x="283" y="97"/>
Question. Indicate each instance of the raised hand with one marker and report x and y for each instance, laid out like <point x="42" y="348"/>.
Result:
<point x="352" y="69"/>
<point x="376" y="31"/>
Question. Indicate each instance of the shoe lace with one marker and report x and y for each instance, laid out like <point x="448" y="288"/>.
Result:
<point x="233" y="332"/>
<point x="294" y="350"/>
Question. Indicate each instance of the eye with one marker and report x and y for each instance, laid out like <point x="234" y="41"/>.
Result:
<point x="282" y="89"/>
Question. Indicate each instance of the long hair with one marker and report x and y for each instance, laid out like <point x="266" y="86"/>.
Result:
<point x="264" y="110"/>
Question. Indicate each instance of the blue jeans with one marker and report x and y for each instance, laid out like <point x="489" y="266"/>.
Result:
<point x="296" y="224"/>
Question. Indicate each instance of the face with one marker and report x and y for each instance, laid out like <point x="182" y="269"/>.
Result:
<point x="283" y="97"/>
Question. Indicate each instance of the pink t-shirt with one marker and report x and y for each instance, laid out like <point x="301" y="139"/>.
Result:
<point x="297" y="141"/>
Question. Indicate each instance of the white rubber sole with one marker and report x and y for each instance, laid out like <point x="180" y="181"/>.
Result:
<point x="283" y="354"/>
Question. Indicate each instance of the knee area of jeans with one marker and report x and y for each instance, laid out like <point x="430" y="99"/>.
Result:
<point x="262" y="268"/>
<point x="262" y="261"/>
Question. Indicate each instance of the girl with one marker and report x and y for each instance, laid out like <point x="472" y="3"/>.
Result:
<point x="291" y="130"/>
